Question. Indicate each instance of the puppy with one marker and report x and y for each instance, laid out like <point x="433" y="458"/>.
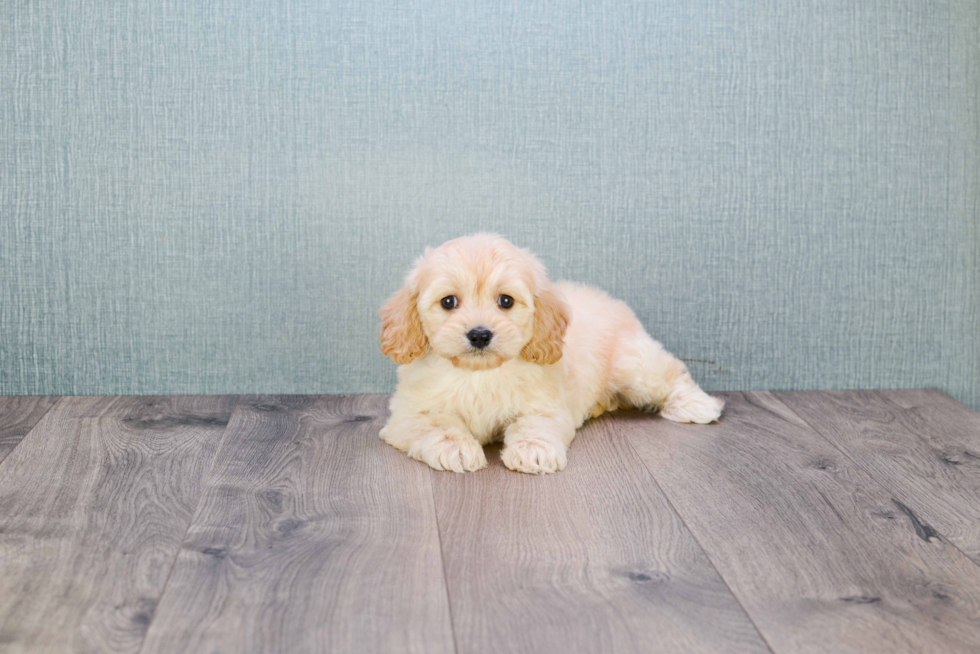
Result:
<point x="491" y="349"/>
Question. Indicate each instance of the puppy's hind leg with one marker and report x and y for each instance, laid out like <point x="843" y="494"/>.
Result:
<point x="648" y="377"/>
<point x="688" y="403"/>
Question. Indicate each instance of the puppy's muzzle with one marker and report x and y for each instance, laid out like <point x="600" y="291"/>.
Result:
<point x="479" y="337"/>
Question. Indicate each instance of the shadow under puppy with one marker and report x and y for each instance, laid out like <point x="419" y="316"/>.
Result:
<point x="491" y="350"/>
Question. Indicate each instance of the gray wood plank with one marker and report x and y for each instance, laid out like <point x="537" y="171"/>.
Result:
<point x="922" y="445"/>
<point x="18" y="415"/>
<point x="94" y="503"/>
<point x="822" y="557"/>
<point x="312" y="535"/>
<point x="592" y="559"/>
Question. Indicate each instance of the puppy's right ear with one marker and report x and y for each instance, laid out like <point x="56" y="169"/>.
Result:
<point x="402" y="337"/>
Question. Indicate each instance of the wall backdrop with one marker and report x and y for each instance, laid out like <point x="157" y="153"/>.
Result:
<point x="216" y="197"/>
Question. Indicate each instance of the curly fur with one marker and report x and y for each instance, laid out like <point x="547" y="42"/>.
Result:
<point x="551" y="316"/>
<point x="402" y="336"/>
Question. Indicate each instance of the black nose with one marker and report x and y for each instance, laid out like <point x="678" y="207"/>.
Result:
<point x="479" y="337"/>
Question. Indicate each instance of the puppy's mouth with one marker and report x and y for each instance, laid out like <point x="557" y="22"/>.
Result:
<point x="475" y="359"/>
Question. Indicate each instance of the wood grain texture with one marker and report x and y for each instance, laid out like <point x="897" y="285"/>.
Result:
<point x="18" y="415"/>
<point x="312" y="535"/>
<point x="593" y="559"/>
<point x="93" y="505"/>
<point x="821" y="556"/>
<point x="920" y="444"/>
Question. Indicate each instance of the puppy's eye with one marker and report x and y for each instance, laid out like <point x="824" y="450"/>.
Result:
<point x="505" y="301"/>
<point x="449" y="302"/>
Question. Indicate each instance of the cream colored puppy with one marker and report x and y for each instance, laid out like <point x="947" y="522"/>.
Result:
<point x="491" y="349"/>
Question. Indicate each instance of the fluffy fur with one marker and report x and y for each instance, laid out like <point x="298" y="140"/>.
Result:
<point x="562" y="354"/>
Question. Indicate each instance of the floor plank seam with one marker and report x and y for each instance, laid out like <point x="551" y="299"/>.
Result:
<point x="442" y="560"/>
<point x="700" y="546"/>
<point x="896" y="497"/>
<point x="33" y="427"/>
<point x="197" y="507"/>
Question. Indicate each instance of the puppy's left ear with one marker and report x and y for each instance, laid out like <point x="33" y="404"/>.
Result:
<point x="551" y="318"/>
<point x="402" y="336"/>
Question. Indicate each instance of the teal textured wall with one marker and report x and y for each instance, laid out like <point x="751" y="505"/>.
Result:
<point x="217" y="196"/>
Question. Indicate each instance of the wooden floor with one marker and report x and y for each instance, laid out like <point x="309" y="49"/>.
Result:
<point x="802" y="522"/>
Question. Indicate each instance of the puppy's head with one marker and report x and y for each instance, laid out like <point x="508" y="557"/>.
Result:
<point x="477" y="301"/>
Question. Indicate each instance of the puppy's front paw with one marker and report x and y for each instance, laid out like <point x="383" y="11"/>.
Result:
<point x="451" y="452"/>
<point x="693" y="405"/>
<point x="534" y="457"/>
